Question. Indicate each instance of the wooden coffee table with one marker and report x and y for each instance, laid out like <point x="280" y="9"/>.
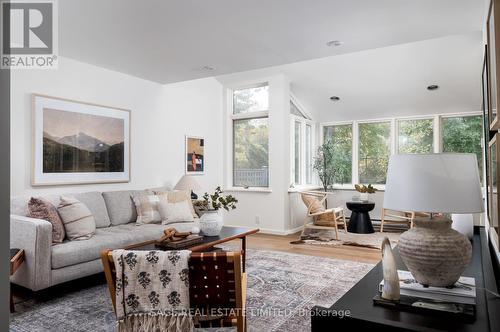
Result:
<point x="227" y="234"/>
<point x="16" y="260"/>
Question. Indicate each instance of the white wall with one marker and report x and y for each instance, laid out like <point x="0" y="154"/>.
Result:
<point x="270" y="208"/>
<point x="160" y="117"/>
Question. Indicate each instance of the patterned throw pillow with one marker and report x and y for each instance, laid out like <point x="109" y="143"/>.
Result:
<point x="176" y="197"/>
<point x="175" y="212"/>
<point x="147" y="209"/>
<point x="41" y="209"/>
<point x="78" y="221"/>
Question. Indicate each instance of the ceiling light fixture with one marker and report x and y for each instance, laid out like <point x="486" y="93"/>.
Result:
<point x="334" y="43"/>
<point x="207" y="68"/>
<point x="334" y="98"/>
<point x="432" y="87"/>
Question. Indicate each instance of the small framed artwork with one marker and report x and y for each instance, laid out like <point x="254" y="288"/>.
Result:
<point x="195" y="155"/>
<point x="78" y="143"/>
<point x="486" y="124"/>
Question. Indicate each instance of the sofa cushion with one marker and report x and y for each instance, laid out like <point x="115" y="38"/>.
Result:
<point x="95" y="203"/>
<point x="79" y="223"/>
<point x="40" y="208"/>
<point x="19" y="204"/>
<point x="121" y="208"/>
<point x="114" y="237"/>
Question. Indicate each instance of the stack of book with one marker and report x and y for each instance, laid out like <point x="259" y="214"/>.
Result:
<point x="459" y="299"/>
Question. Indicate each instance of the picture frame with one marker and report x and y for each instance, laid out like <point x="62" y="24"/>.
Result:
<point x="194" y="155"/>
<point x="494" y="199"/>
<point x="77" y="142"/>
<point x="486" y="128"/>
<point x="493" y="64"/>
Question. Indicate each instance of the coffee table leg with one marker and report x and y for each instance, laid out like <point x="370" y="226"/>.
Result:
<point x="243" y="251"/>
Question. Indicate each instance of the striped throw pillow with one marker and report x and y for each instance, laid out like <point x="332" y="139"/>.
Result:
<point x="147" y="209"/>
<point x="78" y="221"/>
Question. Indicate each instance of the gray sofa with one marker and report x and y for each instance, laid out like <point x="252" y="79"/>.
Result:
<point x="47" y="265"/>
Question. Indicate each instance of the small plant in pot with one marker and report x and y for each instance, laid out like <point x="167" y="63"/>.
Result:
<point x="211" y="220"/>
<point x="365" y="190"/>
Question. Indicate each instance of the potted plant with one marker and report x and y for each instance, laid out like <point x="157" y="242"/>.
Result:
<point x="211" y="220"/>
<point x="365" y="190"/>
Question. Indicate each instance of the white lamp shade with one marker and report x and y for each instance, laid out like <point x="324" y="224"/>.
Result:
<point x="438" y="183"/>
<point x="187" y="182"/>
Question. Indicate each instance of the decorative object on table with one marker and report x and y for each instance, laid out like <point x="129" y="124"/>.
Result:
<point x="390" y="288"/>
<point x="365" y="190"/>
<point x="188" y="183"/>
<point x="360" y="221"/>
<point x="322" y="218"/>
<point x="464" y="224"/>
<point x="330" y="164"/>
<point x="435" y="254"/>
<point x="195" y="155"/>
<point x="76" y="142"/>
<point x="464" y="290"/>
<point x="327" y="238"/>
<point x="211" y="220"/>
<point x="172" y="239"/>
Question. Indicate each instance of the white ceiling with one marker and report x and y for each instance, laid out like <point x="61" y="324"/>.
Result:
<point x="387" y="82"/>
<point x="169" y="41"/>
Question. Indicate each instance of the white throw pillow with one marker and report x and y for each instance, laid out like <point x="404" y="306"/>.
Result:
<point x="175" y="212"/>
<point x="78" y="221"/>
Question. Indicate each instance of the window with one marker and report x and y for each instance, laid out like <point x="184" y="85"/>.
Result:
<point x="415" y="136"/>
<point x="308" y="156"/>
<point x="374" y="151"/>
<point x="251" y="137"/>
<point x="463" y="134"/>
<point x="297" y="154"/>
<point x="301" y="148"/>
<point x="341" y="136"/>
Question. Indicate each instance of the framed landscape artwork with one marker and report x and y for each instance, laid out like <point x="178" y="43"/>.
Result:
<point x="77" y="143"/>
<point x="195" y="155"/>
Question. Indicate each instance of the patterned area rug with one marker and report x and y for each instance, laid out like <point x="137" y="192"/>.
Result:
<point x="282" y="287"/>
<point x="326" y="237"/>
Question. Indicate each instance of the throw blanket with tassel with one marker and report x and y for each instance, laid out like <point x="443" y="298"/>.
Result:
<point x="152" y="291"/>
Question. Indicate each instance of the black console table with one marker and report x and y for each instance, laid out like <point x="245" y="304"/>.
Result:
<point x="360" y="221"/>
<point x="355" y="310"/>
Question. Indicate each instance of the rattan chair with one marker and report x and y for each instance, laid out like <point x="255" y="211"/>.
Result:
<point x="322" y="218"/>
<point x="216" y="284"/>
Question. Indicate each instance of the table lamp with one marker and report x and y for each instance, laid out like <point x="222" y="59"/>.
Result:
<point x="188" y="182"/>
<point x="442" y="183"/>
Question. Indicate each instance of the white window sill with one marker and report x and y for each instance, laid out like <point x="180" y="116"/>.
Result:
<point x="251" y="189"/>
<point x="304" y="187"/>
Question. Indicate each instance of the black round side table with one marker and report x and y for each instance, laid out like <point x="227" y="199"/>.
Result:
<point x="360" y="221"/>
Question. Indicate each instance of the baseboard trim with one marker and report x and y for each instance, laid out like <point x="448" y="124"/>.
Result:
<point x="273" y="231"/>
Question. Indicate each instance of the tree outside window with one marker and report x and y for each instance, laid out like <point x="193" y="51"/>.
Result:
<point x="374" y="151"/>
<point x="415" y="136"/>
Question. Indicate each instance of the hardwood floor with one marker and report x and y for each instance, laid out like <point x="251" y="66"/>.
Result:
<point x="282" y="243"/>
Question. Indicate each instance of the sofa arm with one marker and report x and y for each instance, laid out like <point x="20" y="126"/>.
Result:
<point x="35" y="237"/>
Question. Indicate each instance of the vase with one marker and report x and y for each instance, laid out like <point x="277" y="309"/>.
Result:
<point x="435" y="254"/>
<point x="211" y="223"/>
<point x="363" y="197"/>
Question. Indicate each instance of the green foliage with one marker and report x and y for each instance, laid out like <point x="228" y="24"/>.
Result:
<point x="251" y="144"/>
<point x="331" y="163"/>
<point x="216" y="201"/>
<point x="374" y="151"/>
<point x="415" y="136"/>
<point x="463" y="135"/>
<point x="341" y="137"/>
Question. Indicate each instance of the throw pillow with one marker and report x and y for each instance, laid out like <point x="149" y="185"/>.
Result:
<point x="147" y="209"/>
<point x="42" y="209"/>
<point x="178" y="196"/>
<point x="78" y="221"/>
<point x="175" y="212"/>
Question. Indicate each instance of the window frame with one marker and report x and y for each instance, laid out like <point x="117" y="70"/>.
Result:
<point x="437" y="138"/>
<point x="302" y="158"/>
<point x="230" y="119"/>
